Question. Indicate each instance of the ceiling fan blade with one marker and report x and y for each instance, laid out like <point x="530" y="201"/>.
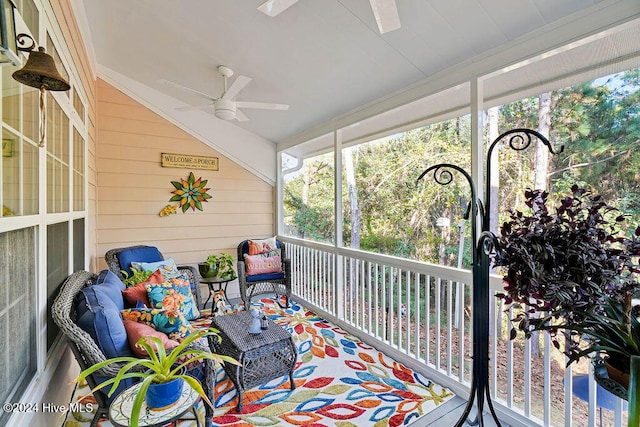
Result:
<point x="236" y="87"/>
<point x="240" y="116"/>
<point x="188" y="89"/>
<point x="275" y="7"/>
<point x="386" y="13"/>
<point x="194" y="107"/>
<point x="261" y="105"/>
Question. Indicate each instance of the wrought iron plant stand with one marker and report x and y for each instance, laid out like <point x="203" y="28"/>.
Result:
<point x="485" y="244"/>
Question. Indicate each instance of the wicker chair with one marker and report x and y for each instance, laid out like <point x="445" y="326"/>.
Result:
<point x="112" y="258"/>
<point x="279" y="283"/>
<point x="88" y="353"/>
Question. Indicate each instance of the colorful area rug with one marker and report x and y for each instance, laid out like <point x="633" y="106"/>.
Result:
<point x="340" y="381"/>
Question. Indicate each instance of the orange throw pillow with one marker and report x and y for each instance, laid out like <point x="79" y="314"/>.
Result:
<point x="138" y="292"/>
<point x="137" y="330"/>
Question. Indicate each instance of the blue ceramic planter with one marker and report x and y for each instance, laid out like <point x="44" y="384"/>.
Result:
<point x="162" y="396"/>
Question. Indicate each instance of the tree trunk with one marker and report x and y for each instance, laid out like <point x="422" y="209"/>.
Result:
<point x="542" y="152"/>
<point x="541" y="171"/>
<point x="355" y="214"/>
<point x="353" y="197"/>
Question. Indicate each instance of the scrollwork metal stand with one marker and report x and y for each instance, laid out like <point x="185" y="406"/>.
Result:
<point x="485" y="243"/>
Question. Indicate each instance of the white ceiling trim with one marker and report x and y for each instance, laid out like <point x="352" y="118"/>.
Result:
<point x="601" y="17"/>
<point x="252" y="152"/>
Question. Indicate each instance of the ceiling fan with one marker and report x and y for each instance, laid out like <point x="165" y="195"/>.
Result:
<point x="385" y="11"/>
<point x="225" y="106"/>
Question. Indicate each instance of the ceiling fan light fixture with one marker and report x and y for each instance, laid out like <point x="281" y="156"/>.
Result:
<point x="225" y="109"/>
<point x="275" y="7"/>
<point x="386" y="14"/>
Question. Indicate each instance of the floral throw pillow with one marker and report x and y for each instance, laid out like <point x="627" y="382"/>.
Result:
<point x="171" y="322"/>
<point x="173" y="294"/>
<point x="262" y="246"/>
<point x="266" y="263"/>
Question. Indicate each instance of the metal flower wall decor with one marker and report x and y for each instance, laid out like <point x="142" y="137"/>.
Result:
<point x="189" y="193"/>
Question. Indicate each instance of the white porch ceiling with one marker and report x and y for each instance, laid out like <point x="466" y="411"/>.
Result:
<point x="325" y="58"/>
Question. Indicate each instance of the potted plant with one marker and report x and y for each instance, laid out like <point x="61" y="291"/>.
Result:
<point x="573" y="273"/>
<point x="161" y="367"/>
<point x="218" y="266"/>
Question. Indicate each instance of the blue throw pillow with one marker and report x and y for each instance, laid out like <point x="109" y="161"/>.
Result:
<point x="110" y="284"/>
<point x="91" y="298"/>
<point x="167" y="267"/>
<point x="98" y="315"/>
<point x="143" y="254"/>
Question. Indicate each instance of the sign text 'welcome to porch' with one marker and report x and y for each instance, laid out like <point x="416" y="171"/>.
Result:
<point x="189" y="162"/>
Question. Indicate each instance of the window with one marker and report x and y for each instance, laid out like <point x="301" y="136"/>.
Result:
<point x="10" y="100"/>
<point x="57" y="158"/>
<point x="19" y="166"/>
<point x="78" y="171"/>
<point x="17" y="344"/>
<point x="30" y="15"/>
<point x="78" y="106"/>
<point x="51" y="50"/>
<point x="78" y="245"/>
<point x="57" y="270"/>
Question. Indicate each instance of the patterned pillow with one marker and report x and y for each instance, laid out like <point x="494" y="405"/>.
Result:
<point x="136" y="330"/>
<point x="174" y="294"/>
<point x="136" y="293"/>
<point x="269" y="262"/>
<point x="167" y="267"/>
<point x="262" y="246"/>
<point x="171" y="322"/>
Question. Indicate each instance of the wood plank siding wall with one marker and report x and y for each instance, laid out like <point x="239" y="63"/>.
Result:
<point x="133" y="187"/>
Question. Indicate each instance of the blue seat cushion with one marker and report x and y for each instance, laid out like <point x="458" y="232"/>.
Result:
<point x="111" y="284"/>
<point x="99" y="316"/>
<point x="143" y="254"/>
<point x="264" y="277"/>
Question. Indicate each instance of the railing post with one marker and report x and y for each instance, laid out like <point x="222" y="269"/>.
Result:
<point x="339" y="261"/>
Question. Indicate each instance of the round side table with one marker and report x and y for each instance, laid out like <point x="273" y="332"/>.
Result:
<point x="220" y="284"/>
<point x="120" y="409"/>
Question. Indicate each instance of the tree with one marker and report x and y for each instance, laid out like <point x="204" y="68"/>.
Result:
<point x="353" y="196"/>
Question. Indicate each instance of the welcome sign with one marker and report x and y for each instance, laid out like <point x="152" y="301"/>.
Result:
<point x="189" y="162"/>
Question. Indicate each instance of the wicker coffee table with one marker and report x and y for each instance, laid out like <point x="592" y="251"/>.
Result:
<point x="264" y="356"/>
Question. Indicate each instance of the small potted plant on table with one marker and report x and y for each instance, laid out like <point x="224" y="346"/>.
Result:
<point x="159" y="370"/>
<point x="218" y="266"/>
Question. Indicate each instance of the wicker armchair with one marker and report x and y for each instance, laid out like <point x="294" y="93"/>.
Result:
<point x="250" y="285"/>
<point x="112" y="258"/>
<point x="88" y="353"/>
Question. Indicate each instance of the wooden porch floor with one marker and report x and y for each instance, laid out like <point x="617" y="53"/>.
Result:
<point x="447" y="414"/>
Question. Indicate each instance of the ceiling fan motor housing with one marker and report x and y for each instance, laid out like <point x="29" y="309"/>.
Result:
<point x="225" y="109"/>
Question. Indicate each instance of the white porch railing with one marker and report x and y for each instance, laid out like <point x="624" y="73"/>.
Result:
<point x="419" y="314"/>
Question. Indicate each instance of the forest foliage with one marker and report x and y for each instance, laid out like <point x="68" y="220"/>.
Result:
<point x="598" y="123"/>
